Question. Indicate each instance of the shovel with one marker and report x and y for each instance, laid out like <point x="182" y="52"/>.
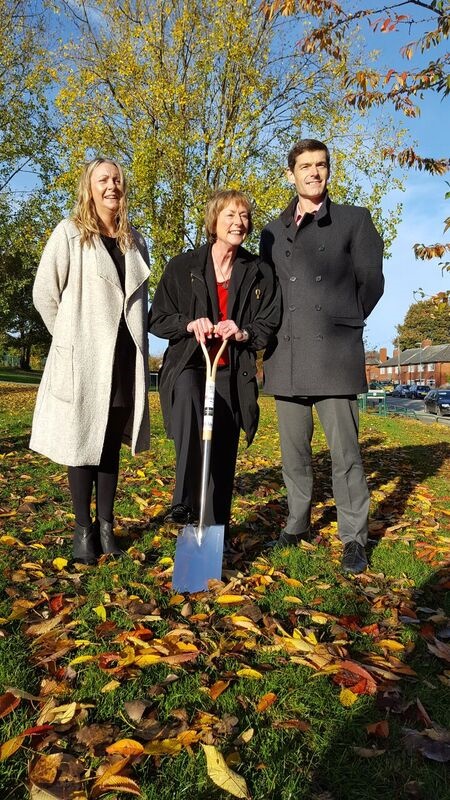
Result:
<point x="199" y="551"/>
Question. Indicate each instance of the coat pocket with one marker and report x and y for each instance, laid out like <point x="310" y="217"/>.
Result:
<point x="61" y="373"/>
<point x="350" y="322"/>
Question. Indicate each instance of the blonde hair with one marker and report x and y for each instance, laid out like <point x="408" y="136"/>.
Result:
<point x="85" y="215"/>
<point x="220" y="200"/>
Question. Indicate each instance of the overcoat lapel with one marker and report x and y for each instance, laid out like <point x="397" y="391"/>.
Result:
<point x="242" y="277"/>
<point x="106" y="268"/>
<point x="136" y="270"/>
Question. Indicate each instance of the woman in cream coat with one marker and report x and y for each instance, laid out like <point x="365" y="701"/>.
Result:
<point x="91" y="291"/>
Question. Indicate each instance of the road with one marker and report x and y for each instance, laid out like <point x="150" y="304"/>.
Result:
<point x="418" y="407"/>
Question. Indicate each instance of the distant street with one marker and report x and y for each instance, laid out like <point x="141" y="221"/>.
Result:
<point x="418" y="407"/>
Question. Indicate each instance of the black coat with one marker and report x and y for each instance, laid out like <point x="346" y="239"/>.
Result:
<point x="330" y="272"/>
<point x="187" y="291"/>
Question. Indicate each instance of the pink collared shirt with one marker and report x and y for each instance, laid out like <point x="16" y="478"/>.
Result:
<point x="298" y="214"/>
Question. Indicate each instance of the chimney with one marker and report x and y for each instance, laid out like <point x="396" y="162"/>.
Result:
<point x="395" y="352"/>
<point x="383" y="354"/>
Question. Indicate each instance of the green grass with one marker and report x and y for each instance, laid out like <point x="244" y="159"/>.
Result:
<point x="17" y="375"/>
<point x="302" y="746"/>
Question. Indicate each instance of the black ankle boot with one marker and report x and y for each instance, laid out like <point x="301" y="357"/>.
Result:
<point x="84" y="544"/>
<point x="107" y="539"/>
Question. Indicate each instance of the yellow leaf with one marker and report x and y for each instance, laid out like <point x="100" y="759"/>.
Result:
<point x="81" y="660"/>
<point x="63" y="714"/>
<point x="247" y="672"/>
<point x="223" y="776"/>
<point x="166" y="561"/>
<point x="60" y="563"/>
<point x="10" y="747"/>
<point x="126" y="747"/>
<point x="162" y="747"/>
<point x="319" y="619"/>
<point x="176" y="599"/>
<point x="292" y="599"/>
<point x="391" y="644"/>
<point x="147" y="660"/>
<point x="225" y="599"/>
<point x="156" y="510"/>
<point x="101" y="612"/>
<point x="347" y="697"/>
<point x="292" y="582"/>
<point x="110" y="686"/>
<point x="10" y="540"/>
<point x="188" y="737"/>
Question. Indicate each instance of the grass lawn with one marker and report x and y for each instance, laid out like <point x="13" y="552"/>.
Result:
<point x="308" y="684"/>
<point x="16" y="375"/>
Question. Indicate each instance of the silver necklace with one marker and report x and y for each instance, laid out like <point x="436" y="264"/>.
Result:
<point x="225" y="281"/>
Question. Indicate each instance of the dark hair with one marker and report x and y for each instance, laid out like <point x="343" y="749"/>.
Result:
<point x="220" y="200"/>
<point x="306" y="146"/>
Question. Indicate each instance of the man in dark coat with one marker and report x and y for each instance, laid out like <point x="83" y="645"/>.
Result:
<point x="328" y="259"/>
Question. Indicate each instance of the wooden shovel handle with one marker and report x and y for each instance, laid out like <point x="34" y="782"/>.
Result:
<point x="211" y="368"/>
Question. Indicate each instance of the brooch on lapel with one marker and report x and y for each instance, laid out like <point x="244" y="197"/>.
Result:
<point x="258" y="293"/>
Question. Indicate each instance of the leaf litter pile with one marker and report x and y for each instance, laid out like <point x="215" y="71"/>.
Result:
<point x="287" y="679"/>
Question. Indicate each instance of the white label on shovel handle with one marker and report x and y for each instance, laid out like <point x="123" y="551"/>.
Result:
<point x="208" y="412"/>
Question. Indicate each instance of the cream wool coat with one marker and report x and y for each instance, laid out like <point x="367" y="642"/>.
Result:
<point x="78" y="294"/>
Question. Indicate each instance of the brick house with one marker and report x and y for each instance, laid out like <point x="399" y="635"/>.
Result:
<point x="428" y="364"/>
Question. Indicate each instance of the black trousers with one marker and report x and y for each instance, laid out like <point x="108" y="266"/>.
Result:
<point x="187" y="426"/>
<point x="103" y="476"/>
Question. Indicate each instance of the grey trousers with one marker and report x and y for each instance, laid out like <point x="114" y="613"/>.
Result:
<point x="339" y="419"/>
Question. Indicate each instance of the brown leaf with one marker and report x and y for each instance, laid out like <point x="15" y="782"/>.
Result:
<point x="217" y="688"/>
<point x="368" y="752"/>
<point x="93" y="736"/>
<point x="380" y="729"/>
<point x="287" y="724"/>
<point x="266" y="700"/>
<point x="136" y="709"/>
<point x="8" y="702"/>
<point x="45" y="769"/>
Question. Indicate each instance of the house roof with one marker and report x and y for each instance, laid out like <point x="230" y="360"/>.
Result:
<point x="431" y="354"/>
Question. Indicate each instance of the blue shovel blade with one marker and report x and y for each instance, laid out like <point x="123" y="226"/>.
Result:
<point x="198" y="558"/>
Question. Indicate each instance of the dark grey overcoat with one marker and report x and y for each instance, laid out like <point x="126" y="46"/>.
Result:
<point x="187" y="291"/>
<point x="330" y="273"/>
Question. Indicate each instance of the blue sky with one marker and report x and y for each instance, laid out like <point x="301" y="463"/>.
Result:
<point x="424" y="209"/>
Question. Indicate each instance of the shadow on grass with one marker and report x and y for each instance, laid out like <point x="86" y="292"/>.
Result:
<point x="393" y="475"/>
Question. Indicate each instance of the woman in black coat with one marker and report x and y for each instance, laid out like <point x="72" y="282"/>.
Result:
<point x="218" y="291"/>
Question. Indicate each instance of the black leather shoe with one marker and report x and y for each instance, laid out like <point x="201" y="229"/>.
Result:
<point x="288" y="539"/>
<point x="181" y="515"/>
<point x="84" y="544"/>
<point x="108" y="541"/>
<point x="354" y="559"/>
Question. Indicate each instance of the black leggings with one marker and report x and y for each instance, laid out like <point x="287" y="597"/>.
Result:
<point x="103" y="476"/>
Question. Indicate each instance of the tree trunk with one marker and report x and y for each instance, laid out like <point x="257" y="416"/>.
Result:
<point x="25" y="355"/>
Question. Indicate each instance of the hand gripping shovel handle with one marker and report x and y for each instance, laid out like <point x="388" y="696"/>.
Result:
<point x="208" y="418"/>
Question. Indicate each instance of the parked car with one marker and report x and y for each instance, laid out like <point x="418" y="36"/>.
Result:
<point x="418" y="390"/>
<point x="438" y="402"/>
<point x="402" y="390"/>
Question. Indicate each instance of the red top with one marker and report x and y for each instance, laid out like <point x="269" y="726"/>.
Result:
<point x="222" y="297"/>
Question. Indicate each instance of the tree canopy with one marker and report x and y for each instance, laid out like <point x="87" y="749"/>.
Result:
<point x="426" y="319"/>
<point x="425" y="61"/>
